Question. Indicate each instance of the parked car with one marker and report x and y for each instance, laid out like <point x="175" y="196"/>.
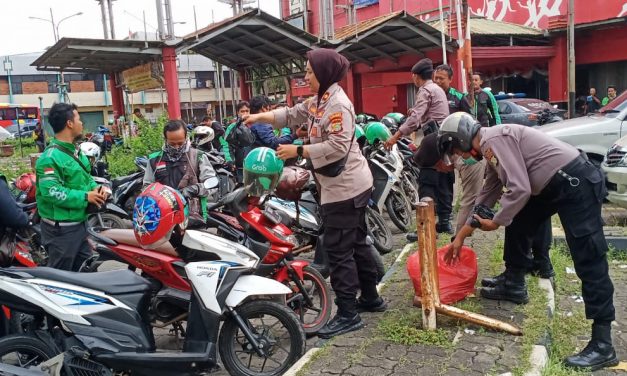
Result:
<point x="615" y="168"/>
<point x="528" y="111"/>
<point x="595" y="133"/>
<point x="24" y="130"/>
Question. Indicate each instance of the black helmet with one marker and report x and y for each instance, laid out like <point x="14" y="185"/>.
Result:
<point x="457" y="132"/>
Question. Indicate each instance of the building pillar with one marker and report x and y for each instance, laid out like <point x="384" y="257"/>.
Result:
<point x="558" y="71"/>
<point x="244" y="90"/>
<point x="454" y="63"/>
<point x="357" y="92"/>
<point x="171" y="82"/>
<point x="117" y="98"/>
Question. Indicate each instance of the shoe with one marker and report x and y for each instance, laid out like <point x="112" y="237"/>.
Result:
<point x="546" y="272"/>
<point x="513" y="289"/>
<point x="444" y="228"/>
<point x="340" y="325"/>
<point x="377" y="305"/>
<point x="494" y="281"/>
<point x="411" y="237"/>
<point x="322" y="269"/>
<point x="599" y="353"/>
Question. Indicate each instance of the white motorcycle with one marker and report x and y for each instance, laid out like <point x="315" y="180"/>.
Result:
<point x="99" y="323"/>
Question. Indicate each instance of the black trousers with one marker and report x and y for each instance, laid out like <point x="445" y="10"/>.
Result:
<point x="577" y="200"/>
<point x="67" y="246"/>
<point x="439" y="186"/>
<point x="541" y="244"/>
<point x="351" y="263"/>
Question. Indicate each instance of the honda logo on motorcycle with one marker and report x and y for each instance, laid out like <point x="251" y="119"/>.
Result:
<point x="206" y="273"/>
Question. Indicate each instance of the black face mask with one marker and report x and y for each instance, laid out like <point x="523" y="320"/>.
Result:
<point x="175" y="153"/>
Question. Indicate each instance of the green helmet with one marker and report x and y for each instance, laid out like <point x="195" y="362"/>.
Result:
<point x="377" y="132"/>
<point x="400" y="118"/>
<point x="262" y="171"/>
<point x="359" y="132"/>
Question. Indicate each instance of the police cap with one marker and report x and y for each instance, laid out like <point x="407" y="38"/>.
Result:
<point x="422" y="66"/>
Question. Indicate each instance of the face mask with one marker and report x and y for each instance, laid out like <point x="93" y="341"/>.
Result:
<point x="175" y="153"/>
<point x="469" y="161"/>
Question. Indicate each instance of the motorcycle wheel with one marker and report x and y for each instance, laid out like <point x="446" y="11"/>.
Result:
<point x="238" y="356"/>
<point x="410" y="188"/>
<point x="24" y="351"/>
<point x="313" y="317"/>
<point x="108" y="220"/>
<point x="399" y="209"/>
<point x="380" y="233"/>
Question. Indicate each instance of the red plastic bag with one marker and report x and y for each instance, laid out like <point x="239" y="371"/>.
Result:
<point x="457" y="281"/>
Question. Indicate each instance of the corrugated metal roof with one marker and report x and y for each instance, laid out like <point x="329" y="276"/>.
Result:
<point x="484" y="26"/>
<point x="352" y="30"/>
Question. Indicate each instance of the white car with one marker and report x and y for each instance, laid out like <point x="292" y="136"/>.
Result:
<point x="615" y="167"/>
<point x="595" y="133"/>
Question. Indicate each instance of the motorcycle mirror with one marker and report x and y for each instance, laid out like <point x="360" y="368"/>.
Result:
<point x="212" y="182"/>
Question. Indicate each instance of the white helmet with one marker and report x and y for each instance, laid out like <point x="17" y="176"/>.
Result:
<point x="203" y="134"/>
<point x="90" y="149"/>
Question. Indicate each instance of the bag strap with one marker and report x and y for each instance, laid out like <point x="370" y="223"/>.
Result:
<point x="55" y="146"/>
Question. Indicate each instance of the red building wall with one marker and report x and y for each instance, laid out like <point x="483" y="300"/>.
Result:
<point x="524" y="12"/>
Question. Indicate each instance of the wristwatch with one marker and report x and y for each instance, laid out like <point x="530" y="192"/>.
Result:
<point x="299" y="150"/>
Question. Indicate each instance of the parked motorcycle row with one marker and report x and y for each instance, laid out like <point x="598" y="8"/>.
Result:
<point x="235" y="286"/>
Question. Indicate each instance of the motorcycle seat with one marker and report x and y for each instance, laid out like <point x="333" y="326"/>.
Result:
<point x="127" y="237"/>
<point x="114" y="282"/>
<point x="124" y="179"/>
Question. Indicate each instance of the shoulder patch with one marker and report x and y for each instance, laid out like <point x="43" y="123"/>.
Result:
<point x="336" y="122"/>
<point x="325" y="97"/>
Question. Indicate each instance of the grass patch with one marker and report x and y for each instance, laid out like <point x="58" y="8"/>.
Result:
<point x="402" y="327"/>
<point x="535" y="324"/>
<point x="565" y="327"/>
<point x="614" y="254"/>
<point x="359" y="353"/>
<point x="495" y="262"/>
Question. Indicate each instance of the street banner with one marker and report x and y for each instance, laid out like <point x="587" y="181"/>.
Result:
<point x="143" y="77"/>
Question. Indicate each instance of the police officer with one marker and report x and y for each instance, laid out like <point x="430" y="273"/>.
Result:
<point x="543" y="176"/>
<point x="65" y="188"/>
<point x="183" y="167"/>
<point x="431" y="105"/>
<point x="345" y="185"/>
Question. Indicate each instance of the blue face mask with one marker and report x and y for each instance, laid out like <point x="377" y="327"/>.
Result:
<point x="469" y="161"/>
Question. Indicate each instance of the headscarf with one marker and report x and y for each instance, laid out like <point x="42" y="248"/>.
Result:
<point x="328" y="66"/>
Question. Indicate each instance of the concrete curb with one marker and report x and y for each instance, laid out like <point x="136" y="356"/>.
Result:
<point x="314" y="350"/>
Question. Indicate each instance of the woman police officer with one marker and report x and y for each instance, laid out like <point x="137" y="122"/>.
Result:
<point x="344" y="181"/>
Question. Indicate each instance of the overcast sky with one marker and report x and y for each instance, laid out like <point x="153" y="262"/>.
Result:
<point x="21" y="34"/>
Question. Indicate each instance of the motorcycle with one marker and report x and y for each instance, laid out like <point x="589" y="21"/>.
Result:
<point x="547" y="116"/>
<point x="109" y="215"/>
<point x="388" y="192"/>
<point x="127" y="188"/>
<point x="99" y="323"/>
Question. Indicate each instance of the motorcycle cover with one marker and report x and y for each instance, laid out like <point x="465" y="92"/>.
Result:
<point x="457" y="281"/>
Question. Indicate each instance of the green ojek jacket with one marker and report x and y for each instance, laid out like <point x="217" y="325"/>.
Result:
<point x="62" y="184"/>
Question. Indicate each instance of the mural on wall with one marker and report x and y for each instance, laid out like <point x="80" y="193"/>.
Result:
<point x="624" y="11"/>
<point x="490" y="8"/>
<point x="537" y="10"/>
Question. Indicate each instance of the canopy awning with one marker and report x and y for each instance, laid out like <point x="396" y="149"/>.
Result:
<point x="388" y="37"/>
<point x="98" y="55"/>
<point x="259" y="44"/>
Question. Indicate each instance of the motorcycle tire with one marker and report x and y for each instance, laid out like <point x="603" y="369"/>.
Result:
<point x="379" y="232"/>
<point x="410" y="188"/>
<point x="318" y="290"/>
<point x="232" y="342"/>
<point x="378" y="260"/>
<point x="108" y="220"/>
<point x="399" y="209"/>
<point x="26" y="345"/>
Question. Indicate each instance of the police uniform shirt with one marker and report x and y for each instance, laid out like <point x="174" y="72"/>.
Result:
<point x="521" y="159"/>
<point x="331" y="128"/>
<point x="431" y="104"/>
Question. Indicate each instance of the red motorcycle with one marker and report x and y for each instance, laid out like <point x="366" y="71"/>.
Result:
<point x="259" y="231"/>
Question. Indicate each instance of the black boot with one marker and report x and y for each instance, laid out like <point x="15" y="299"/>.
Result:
<point x="444" y="227"/>
<point x="374" y="305"/>
<point x="346" y="320"/>
<point x="493" y="281"/>
<point x="599" y="353"/>
<point x="513" y="289"/>
<point x="321" y="260"/>
<point x="543" y="270"/>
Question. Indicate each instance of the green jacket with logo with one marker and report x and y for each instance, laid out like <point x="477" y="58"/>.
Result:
<point x="62" y="184"/>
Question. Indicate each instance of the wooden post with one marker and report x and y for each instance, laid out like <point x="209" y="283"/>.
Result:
<point x="472" y="317"/>
<point x="433" y="248"/>
<point x="424" y="223"/>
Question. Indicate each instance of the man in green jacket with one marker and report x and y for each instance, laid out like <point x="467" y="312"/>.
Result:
<point x="64" y="190"/>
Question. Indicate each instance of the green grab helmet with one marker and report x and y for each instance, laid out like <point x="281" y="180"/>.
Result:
<point x="359" y="132"/>
<point x="376" y="131"/>
<point x="262" y="171"/>
<point x="397" y="116"/>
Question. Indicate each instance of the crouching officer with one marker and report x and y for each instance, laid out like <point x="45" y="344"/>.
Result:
<point x="542" y="176"/>
<point x="345" y="185"/>
<point x="65" y="188"/>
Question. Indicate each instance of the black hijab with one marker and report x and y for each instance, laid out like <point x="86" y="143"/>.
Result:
<point x="328" y="66"/>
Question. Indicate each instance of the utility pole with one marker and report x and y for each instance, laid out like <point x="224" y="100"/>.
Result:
<point x="103" y="11"/>
<point x="570" y="35"/>
<point x="110" y="5"/>
<point x="160" y="19"/>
